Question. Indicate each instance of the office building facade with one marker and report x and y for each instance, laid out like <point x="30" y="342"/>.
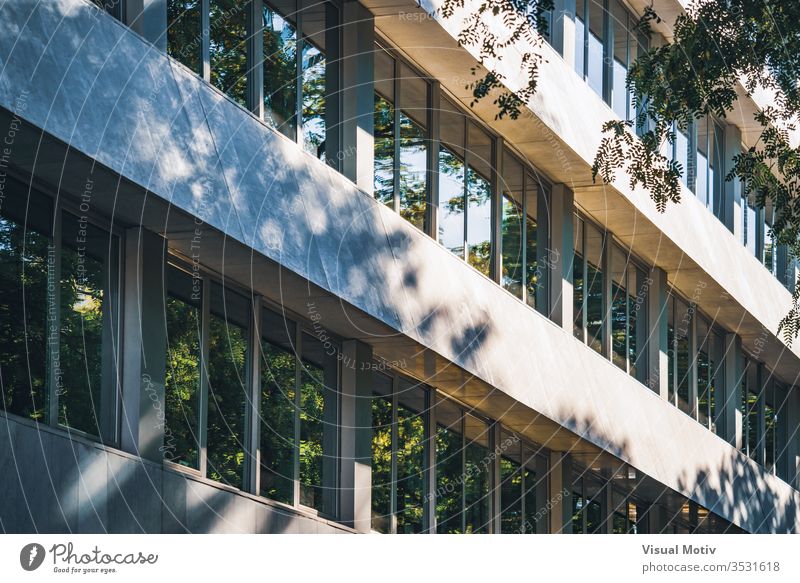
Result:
<point x="268" y="268"/>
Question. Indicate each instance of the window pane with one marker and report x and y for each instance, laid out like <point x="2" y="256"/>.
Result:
<point x="682" y="154"/>
<point x="683" y="322"/>
<point x="479" y="198"/>
<point x="619" y="94"/>
<point x="184" y="36"/>
<point x="534" y="470"/>
<point x="318" y="415"/>
<point x="594" y="287"/>
<point x="476" y="476"/>
<point x="86" y="275"/>
<point x="578" y="281"/>
<point x="413" y="147"/>
<point x="228" y="48"/>
<point x="384" y="127"/>
<point x="278" y="407"/>
<point x="182" y="384"/>
<point x="227" y="386"/>
<point x="313" y="65"/>
<point x="595" y="63"/>
<point x="451" y="207"/>
<point x="533" y="277"/>
<point x="510" y="486"/>
<point x="704" y="139"/>
<point x="580" y="31"/>
<point x="410" y="458"/>
<point x="619" y="308"/>
<point x="512" y="246"/>
<point x="280" y="73"/>
<point x="24" y="261"/>
<point x="382" y="453"/>
<point x="449" y="478"/>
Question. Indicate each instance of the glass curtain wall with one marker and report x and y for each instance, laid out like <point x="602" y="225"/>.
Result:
<point x="588" y="294"/>
<point x="60" y="316"/>
<point x="520" y="270"/>
<point x="462" y="474"/>
<point x="293" y="36"/>
<point x="628" y="327"/>
<point x="522" y="486"/>
<point x="588" y="511"/>
<point x="401" y="139"/>
<point x="399" y="438"/>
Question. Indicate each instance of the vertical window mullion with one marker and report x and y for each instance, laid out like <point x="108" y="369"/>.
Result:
<point x="393" y="470"/>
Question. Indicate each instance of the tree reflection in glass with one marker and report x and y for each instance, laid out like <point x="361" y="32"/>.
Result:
<point x="451" y="195"/>
<point x="184" y="34"/>
<point x="384" y="150"/>
<point x="182" y="381"/>
<point x="382" y="458"/>
<point x="277" y="422"/>
<point x="23" y="318"/>
<point x="413" y="174"/>
<point x="312" y="402"/>
<point x="227" y="400"/>
<point x="280" y="73"/>
<point x="410" y="469"/>
<point x="313" y="100"/>
<point x="228" y="48"/>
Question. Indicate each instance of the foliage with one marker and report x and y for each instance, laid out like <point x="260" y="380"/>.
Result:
<point x="716" y="44"/>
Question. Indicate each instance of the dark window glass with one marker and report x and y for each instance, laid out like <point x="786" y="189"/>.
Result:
<point x="619" y="308"/>
<point x="594" y="492"/>
<point x="512" y="232"/>
<point x="280" y="72"/>
<point x="228" y="47"/>
<point x="449" y="471"/>
<point x="578" y="509"/>
<point x="84" y="374"/>
<point x="384" y="128"/>
<point x="227" y="385"/>
<point x="578" y="280"/>
<point x="410" y="458"/>
<point x="594" y="287"/>
<point x="770" y="426"/>
<point x="313" y="64"/>
<point x="683" y="326"/>
<point x="182" y="381"/>
<point x="479" y="199"/>
<point x="413" y="147"/>
<point x="534" y="470"/>
<point x="184" y="35"/>
<point x="511" y="487"/>
<point x="595" y="57"/>
<point x="476" y="476"/>
<point x="25" y="256"/>
<point x="382" y="453"/>
<point x="278" y="407"/>
<point x="318" y="418"/>
<point x="533" y="276"/>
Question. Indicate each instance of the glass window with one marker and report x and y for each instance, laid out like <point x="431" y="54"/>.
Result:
<point x="580" y="39"/>
<point x="384" y="128"/>
<point x="228" y="48"/>
<point x="595" y="63"/>
<point x="682" y="154"/>
<point x="398" y="448"/>
<point x="449" y="479"/>
<point x="182" y="380"/>
<point x="411" y="440"/>
<point x="619" y="308"/>
<point x="413" y="147"/>
<point x="682" y="353"/>
<point x="184" y="33"/>
<point x="771" y="405"/>
<point x="511" y="485"/>
<point x="26" y="256"/>
<point x="85" y="376"/>
<point x="479" y="199"/>
<point x="594" y="243"/>
<point x="476" y="476"/>
<point x="622" y="58"/>
<point x="578" y="281"/>
<point x="382" y="431"/>
<point x="318" y="417"/>
<point x="278" y="407"/>
<point x="704" y="182"/>
<point x="227" y="385"/>
<point x="705" y="366"/>
<point x="452" y="179"/>
<point x="313" y="78"/>
<point x="280" y="72"/>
